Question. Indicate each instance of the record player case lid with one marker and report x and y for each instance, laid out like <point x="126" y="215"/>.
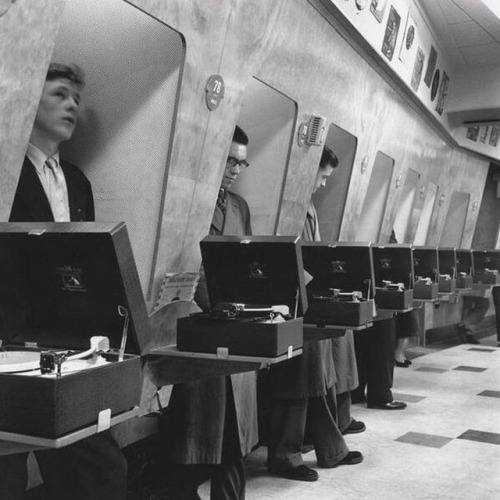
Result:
<point x="257" y="270"/>
<point x="425" y="262"/>
<point x="62" y="283"/>
<point x="465" y="261"/>
<point x="489" y="259"/>
<point x="345" y="266"/>
<point x="447" y="261"/>
<point x="393" y="262"/>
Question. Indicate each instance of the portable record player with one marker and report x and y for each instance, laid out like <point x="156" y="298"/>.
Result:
<point x="486" y="266"/>
<point x="257" y="298"/>
<point x="393" y="269"/>
<point x="426" y="271"/>
<point x="340" y="292"/>
<point x="71" y="314"/>
<point x="465" y="269"/>
<point x="447" y="259"/>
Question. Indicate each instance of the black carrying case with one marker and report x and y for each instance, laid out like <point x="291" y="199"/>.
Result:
<point x="465" y="268"/>
<point x="394" y="263"/>
<point x="258" y="271"/>
<point x="485" y="261"/>
<point x="425" y="265"/>
<point x="447" y="267"/>
<point x="61" y="284"/>
<point x="347" y="267"/>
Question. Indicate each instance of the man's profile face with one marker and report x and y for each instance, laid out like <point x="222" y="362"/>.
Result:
<point x="57" y="111"/>
<point x="236" y="162"/>
<point x="322" y="176"/>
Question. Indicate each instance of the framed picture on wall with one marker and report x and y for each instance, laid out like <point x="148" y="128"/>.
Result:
<point x="483" y="133"/>
<point x="377" y="8"/>
<point x="472" y="133"/>
<point x="430" y="66"/>
<point x="418" y="68"/>
<point x="408" y="43"/>
<point x="495" y="134"/>
<point x="443" y="91"/>
<point x="435" y="84"/>
<point x="391" y="33"/>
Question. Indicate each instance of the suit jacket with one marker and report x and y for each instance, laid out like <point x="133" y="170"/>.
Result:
<point x="31" y="203"/>
<point x="195" y="427"/>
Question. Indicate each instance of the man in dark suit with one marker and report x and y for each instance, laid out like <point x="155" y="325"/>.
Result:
<point x="51" y="189"/>
<point x="212" y="423"/>
<point x="303" y="398"/>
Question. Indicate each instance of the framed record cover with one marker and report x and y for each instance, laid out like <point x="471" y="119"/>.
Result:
<point x="430" y="66"/>
<point x="443" y="91"/>
<point x="377" y="8"/>
<point x="391" y="33"/>
<point x="418" y="67"/>
<point x="408" y="42"/>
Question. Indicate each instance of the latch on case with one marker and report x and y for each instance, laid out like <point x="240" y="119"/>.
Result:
<point x="104" y="420"/>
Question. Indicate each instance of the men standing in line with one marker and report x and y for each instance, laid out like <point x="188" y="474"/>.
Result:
<point x="51" y="189"/>
<point x="212" y="423"/>
<point x="303" y="392"/>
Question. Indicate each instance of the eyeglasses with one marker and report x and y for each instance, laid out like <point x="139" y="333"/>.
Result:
<point x="233" y="162"/>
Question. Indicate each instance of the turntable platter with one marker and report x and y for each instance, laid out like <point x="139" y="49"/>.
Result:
<point x="16" y="361"/>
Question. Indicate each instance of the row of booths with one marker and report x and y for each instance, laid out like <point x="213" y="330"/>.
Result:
<point x="63" y="290"/>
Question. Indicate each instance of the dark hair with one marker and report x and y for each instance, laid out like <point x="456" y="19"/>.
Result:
<point x="71" y="72"/>
<point x="239" y="136"/>
<point x="328" y="158"/>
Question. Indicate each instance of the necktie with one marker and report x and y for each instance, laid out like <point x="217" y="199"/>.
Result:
<point x="57" y="191"/>
<point x="221" y="201"/>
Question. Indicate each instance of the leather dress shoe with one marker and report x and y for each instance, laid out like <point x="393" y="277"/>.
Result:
<point x="352" y="458"/>
<point x="402" y="364"/>
<point x="392" y="405"/>
<point x="355" y="427"/>
<point x="299" y="473"/>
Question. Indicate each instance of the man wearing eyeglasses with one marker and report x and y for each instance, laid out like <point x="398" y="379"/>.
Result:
<point x="212" y="423"/>
<point x="231" y="215"/>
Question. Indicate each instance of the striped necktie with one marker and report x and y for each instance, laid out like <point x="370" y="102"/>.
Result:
<point x="57" y="196"/>
<point x="221" y="201"/>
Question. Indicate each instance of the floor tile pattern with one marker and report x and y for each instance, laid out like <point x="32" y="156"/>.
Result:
<point x="481" y="436"/>
<point x="490" y="394"/>
<point x="476" y="369"/>
<point x="424" y="439"/>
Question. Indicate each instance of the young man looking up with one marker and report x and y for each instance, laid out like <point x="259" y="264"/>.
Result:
<point x="51" y="189"/>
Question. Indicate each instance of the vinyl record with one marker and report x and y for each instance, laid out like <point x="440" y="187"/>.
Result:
<point x="17" y="361"/>
<point x="435" y="85"/>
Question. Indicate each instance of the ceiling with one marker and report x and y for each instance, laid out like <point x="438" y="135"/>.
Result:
<point x="469" y="30"/>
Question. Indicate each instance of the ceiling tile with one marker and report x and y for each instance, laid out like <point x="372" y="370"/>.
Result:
<point x="480" y="55"/>
<point x="470" y="33"/>
<point x="452" y="13"/>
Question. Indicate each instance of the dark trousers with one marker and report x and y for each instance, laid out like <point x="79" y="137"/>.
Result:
<point x="310" y="420"/>
<point x="375" y="359"/>
<point x="344" y="418"/>
<point x="227" y="479"/>
<point x="92" y="469"/>
<point x="496" y="301"/>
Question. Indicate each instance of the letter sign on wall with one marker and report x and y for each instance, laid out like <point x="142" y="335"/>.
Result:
<point x="214" y="91"/>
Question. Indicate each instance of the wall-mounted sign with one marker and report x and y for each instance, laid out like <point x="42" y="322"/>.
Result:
<point x="435" y="84"/>
<point x="5" y="6"/>
<point x="214" y="91"/>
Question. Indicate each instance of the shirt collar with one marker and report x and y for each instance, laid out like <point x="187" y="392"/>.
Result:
<point x="38" y="157"/>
